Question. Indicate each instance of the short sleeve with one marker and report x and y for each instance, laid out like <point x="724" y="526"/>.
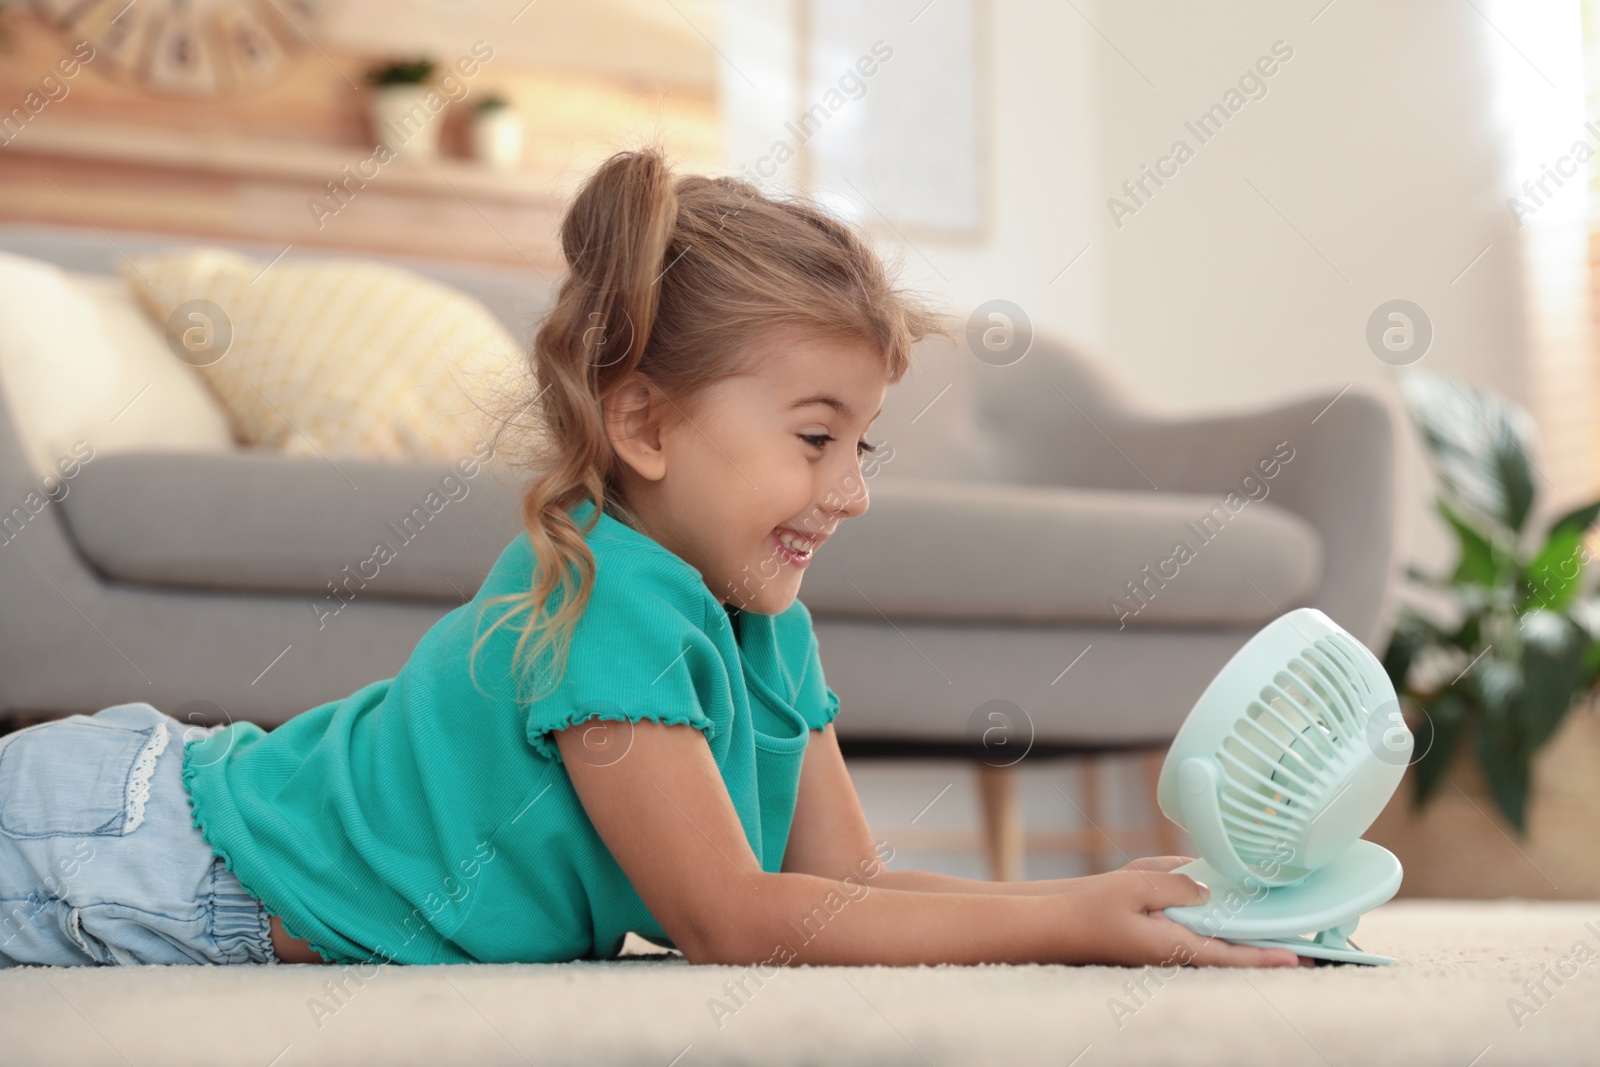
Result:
<point x="830" y="710"/>
<point x="814" y="700"/>
<point x="637" y="652"/>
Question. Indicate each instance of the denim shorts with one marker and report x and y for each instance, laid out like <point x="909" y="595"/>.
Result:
<point x="100" y="860"/>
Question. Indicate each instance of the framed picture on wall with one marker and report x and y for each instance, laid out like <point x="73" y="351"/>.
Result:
<point x="893" y="112"/>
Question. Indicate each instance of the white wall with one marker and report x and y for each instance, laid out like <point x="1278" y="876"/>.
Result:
<point x="1377" y="166"/>
<point x="1375" y="145"/>
<point x="1043" y="172"/>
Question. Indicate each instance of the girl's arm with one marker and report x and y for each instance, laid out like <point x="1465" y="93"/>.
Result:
<point x="665" y="815"/>
<point x="830" y="835"/>
<point x="932" y="882"/>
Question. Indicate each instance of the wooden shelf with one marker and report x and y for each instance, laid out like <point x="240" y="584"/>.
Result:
<point x="264" y="189"/>
<point x="264" y="159"/>
<point x="116" y="156"/>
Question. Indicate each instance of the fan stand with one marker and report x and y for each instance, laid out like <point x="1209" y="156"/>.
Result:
<point x="1332" y="945"/>
<point x="1331" y="900"/>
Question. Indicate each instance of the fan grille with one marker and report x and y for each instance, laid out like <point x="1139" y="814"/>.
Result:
<point x="1284" y="757"/>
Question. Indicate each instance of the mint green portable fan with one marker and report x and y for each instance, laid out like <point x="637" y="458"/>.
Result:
<point x="1285" y="760"/>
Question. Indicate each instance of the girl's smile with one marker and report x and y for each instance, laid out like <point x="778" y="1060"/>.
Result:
<point x="796" y="548"/>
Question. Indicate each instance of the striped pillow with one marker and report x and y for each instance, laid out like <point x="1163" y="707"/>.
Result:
<point x="331" y="357"/>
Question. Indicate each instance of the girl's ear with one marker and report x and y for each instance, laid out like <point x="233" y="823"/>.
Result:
<point x="633" y="417"/>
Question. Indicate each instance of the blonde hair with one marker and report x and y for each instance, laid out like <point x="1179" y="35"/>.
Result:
<point x="673" y="278"/>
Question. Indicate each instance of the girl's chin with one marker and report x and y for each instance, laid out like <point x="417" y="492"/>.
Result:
<point x="772" y="600"/>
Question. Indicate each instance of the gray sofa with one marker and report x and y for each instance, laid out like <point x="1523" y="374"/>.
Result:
<point x="1015" y="508"/>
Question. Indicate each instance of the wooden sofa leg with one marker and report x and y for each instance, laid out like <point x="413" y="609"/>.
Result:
<point x="1150" y="761"/>
<point x="1094" y="814"/>
<point x="1002" y="822"/>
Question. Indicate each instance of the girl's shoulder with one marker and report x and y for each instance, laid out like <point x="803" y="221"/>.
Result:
<point x="632" y="568"/>
<point x="634" y="575"/>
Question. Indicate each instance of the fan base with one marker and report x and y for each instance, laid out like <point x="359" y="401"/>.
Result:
<point x="1305" y="946"/>
<point x="1331" y="900"/>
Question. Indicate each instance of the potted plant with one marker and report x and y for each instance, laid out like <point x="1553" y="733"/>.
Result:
<point x="497" y="133"/>
<point x="1487" y="685"/>
<point x="401" y="118"/>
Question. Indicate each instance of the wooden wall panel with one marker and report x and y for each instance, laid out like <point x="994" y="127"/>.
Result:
<point x="119" y="157"/>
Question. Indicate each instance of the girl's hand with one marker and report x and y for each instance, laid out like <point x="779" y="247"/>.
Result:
<point x="1116" y="919"/>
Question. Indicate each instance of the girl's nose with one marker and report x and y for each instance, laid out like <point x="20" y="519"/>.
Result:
<point x="854" y="495"/>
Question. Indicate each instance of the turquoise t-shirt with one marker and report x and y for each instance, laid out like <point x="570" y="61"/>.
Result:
<point x="425" y="819"/>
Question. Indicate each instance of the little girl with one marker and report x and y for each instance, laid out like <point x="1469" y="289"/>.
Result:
<point x="712" y="362"/>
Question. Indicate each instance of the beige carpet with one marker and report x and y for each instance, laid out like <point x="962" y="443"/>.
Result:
<point x="1449" y="1002"/>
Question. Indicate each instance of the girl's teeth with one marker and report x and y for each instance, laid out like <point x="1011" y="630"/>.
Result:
<point x="794" y="544"/>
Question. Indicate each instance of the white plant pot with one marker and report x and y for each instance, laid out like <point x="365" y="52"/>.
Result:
<point x="401" y="120"/>
<point x="497" y="138"/>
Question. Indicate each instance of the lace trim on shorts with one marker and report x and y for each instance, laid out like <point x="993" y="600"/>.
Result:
<point x="139" y="779"/>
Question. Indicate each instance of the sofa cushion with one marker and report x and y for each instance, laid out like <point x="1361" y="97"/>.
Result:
<point x="286" y="524"/>
<point x="933" y="549"/>
<point x="337" y="357"/>
<point x="85" y="373"/>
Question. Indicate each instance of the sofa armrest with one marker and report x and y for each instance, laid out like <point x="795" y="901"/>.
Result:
<point x="1336" y="455"/>
<point x="1345" y="477"/>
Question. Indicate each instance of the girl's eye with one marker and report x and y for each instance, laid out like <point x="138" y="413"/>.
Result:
<point x="819" y="440"/>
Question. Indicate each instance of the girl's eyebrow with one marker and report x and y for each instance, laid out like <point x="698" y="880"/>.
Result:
<point x="829" y="399"/>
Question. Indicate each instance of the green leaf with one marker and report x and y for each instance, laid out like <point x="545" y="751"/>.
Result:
<point x="1480" y="563"/>
<point x="1435" y="743"/>
<point x="1555" y="574"/>
<point x="1554" y="651"/>
<point x="1405" y="642"/>
<point x="1591" y="665"/>
<point x="402" y="72"/>
<point x="1469" y="636"/>
<point x="1505" y="767"/>
<point x="1516" y="476"/>
<point x="1579" y="519"/>
<point x="1499" y="683"/>
<point x="1412" y="633"/>
<point x="1478" y="441"/>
